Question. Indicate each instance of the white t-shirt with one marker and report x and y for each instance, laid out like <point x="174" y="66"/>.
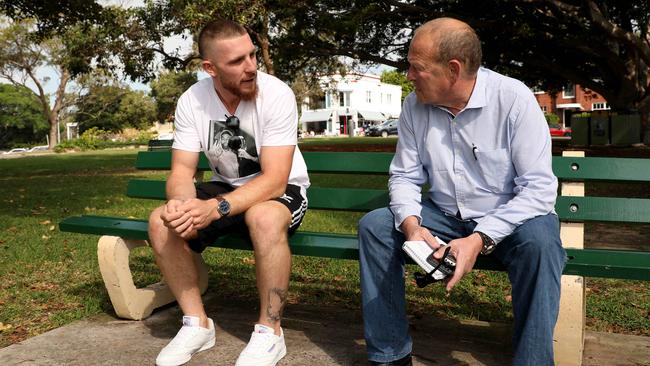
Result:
<point x="233" y="152"/>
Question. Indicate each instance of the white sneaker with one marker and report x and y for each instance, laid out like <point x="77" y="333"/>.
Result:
<point x="191" y="339"/>
<point x="264" y="348"/>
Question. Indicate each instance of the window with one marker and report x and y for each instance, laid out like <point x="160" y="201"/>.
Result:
<point x="368" y="96"/>
<point x="600" y="106"/>
<point x="569" y="91"/>
<point x="328" y="100"/>
<point x="344" y="99"/>
<point x="543" y="108"/>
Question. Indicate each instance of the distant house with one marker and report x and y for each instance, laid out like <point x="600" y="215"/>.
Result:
<point x="349" y="104"/>
<point x="572" y="99"/>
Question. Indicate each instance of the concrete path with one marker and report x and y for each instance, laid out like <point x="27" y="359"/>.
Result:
<point x="315" y="336"/>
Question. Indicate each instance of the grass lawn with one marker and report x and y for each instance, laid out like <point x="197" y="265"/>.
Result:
<point x="49" y="278"/>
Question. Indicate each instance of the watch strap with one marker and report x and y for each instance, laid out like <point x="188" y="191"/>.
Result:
<point x="488" y="243"/>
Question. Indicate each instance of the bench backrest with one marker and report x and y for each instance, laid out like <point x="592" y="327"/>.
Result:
<point x="573" y="211"/>
<point x="568" y="208"/>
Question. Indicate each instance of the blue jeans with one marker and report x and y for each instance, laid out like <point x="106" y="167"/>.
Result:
<point x="532" y="254"/>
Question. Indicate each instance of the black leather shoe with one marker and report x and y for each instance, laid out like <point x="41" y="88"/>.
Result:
<point x="405" y="361"/>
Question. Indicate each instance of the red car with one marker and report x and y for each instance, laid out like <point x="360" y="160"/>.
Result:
<point x="557" y="130"/>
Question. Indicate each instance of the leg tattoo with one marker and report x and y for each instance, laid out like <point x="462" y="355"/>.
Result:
<point x="277" y="300"/>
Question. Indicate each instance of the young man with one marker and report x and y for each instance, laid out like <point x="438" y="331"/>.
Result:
<point x="245" y="121"/>
<point x="481" y="142"/>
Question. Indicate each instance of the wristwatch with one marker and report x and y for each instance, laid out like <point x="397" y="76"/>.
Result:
<point x="223" y="206"/>
<point x="488" y="244"/>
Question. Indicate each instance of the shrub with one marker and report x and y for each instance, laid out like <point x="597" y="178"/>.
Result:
<point x="552" y="118"/>
<point x="96" y="138"/>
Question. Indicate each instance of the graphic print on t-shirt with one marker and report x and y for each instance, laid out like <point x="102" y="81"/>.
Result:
<point x="232" y="151"/>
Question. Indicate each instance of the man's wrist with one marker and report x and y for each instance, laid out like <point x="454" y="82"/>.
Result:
<point x="489" y="244"/>
<point x="409" y="225"/>
<point x="214" y="212"/>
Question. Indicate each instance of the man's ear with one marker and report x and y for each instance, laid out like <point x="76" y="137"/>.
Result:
<point x="455" y="69"/>
<point x="209" y="68"/>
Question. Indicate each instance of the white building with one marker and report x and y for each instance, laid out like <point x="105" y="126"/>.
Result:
<point x="350" y="103"/>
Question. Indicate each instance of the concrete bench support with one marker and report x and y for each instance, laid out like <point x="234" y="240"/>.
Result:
<point x="569" y="331"/>
<point x="128" y="301"/>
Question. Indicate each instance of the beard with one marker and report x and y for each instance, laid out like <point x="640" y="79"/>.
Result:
<point x="235" y="88"/>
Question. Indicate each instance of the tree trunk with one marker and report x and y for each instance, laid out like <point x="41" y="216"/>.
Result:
<point x="53" y="115"/>
<point x="54" y="135"/>
<point x="644" y="111"/>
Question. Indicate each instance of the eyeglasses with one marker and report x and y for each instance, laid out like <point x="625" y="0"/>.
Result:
<point x="232" y="121"/>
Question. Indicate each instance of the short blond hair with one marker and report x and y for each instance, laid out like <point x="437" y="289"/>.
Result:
<point x="216" y="30"/>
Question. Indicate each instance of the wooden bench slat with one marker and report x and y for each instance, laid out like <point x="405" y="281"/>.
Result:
<point x="347" y="199"/>
<point x="601" y="169"/>
<point x="340" y="162"/>
<point x="143" y="188"/>
<point x="590" y="168"/>
<point x="606" y="209"/>
<point x="583" y="262"/>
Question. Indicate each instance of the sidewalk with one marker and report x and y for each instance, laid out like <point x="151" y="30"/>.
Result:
<point x="315" y="336"/>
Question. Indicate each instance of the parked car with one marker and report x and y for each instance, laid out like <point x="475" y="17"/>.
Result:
<point x="389" y="127"/>
<point x="166" y="136"/>
<point x="38" y="148"/>
<point x="15" y="151"/>
<point x="556" y="130"/>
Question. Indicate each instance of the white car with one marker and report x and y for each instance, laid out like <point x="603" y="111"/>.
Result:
<point x="15" y="151"/>
<point x="166" y="136"/>
<point x="38" y="148"/>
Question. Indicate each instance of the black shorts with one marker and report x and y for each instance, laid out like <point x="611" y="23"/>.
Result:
<point x="292" y="199"/>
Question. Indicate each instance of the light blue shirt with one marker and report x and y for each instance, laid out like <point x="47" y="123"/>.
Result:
<point x="491" y="162"/>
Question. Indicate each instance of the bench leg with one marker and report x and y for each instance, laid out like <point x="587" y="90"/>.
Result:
<point x="569" y="332"/>
<point x="128" y="301"/>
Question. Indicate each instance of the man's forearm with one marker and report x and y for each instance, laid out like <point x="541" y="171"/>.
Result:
<point x="259" y="189"/>
<point x="180" y="188"/>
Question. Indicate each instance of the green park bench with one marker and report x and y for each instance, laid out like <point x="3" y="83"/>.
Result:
<point x="156" y="145"/>
<point x="120" y="235"/>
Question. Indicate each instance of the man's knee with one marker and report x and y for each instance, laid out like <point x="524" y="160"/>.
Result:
<point x="267" y="220"/>
<point x="155" y="221"/>
<point x="376" y="222"/>
<point x="156" y="229"/>
<point x="539" y="240"/>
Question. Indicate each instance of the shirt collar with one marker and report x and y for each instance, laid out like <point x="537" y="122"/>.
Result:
<point x="478" y="99"/>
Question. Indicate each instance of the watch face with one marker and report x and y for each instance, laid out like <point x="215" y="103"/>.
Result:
<point x="224" y="207"/>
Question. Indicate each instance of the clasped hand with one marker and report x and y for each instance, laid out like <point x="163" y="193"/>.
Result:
<point x="185" y="217"/>
<point x="465" y="250"/>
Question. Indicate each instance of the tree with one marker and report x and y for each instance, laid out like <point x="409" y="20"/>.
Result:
<point x="137" y="110"/>
<point x="166" y="89"/>
<point x="603" y="45"/>
<point x="138" y="37"/>
<point x="396" y="77"/>
<point x="111" y="106"/>
<point x="21" y="117"/>
<point x="52" y="17"/>
<point x="21" y="57"/>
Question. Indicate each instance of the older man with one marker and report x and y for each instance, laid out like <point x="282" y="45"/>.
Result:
<point x="480" y="141"/>
<point x="262" y="192"/>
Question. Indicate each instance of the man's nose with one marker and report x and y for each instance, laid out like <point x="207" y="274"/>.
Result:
<point x="251" y="64"/>
<point x="409" y="74"/>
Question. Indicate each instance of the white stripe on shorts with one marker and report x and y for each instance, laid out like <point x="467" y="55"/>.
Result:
<point x="297" y="215"/>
